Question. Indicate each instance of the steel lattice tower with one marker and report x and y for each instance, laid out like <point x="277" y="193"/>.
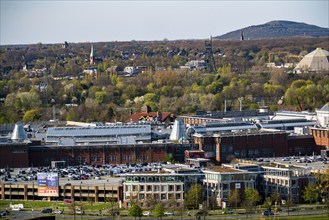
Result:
<point x="209" y="58"/>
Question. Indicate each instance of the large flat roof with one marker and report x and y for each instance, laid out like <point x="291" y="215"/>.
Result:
<point x="221" y="169"/>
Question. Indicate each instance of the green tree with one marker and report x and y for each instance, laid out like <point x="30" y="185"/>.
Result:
<point x="194" y="196"/>
<point x="32" y="115"/>
<point x="170" y="158"/>
<point x="135" y="211"/>
<point x="234" y="198"/>
<point x="250" y="198"/>
<point x="311" y="193"/>
<point x="158" y="211"/>
<point x="276" y="197"/>
<point x="100" y="97"/>
<point x="268" y="203"/>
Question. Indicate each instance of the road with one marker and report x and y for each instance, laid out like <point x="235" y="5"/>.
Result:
<point x="24" y="215"/>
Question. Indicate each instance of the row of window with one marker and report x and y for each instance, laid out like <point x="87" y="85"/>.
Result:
<point x="150" y="204"/>
<point x="320" y="133"/>
<point x="154" y="197"/>
<point x="230" y="177"/>
<point x="154" y="188"/>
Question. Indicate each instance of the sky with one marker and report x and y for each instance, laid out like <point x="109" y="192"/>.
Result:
<point x="55" y="21"/>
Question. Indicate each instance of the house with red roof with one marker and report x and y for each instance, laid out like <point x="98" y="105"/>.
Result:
<point x="146" y="114"/>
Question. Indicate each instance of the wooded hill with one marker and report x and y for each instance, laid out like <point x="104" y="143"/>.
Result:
<point x="106" y="96"/>
<point x="276" y="29"/>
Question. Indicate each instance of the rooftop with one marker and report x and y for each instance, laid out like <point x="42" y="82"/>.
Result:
<point x="221" y="169"/>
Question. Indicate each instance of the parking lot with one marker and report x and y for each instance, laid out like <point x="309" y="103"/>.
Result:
<point x="315" y="163"/>
<point x="109" y="174"/>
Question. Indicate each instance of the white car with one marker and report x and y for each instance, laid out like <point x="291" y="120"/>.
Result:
<point x="80" y="212"/>
<point x="168" y="213"/>
<point x="57" y="211"/>
<point x="16" y="208"/>
<point x="146" y="213"/>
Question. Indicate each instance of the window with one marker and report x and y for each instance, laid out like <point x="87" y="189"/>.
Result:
<point x="225" y="195"/>
<point x="156" y="196"/>
<point x="135" y="188"/>
<point x="141" y="196"/>
<point x="124" y="157"/>
<point x="163" y="196"/>
<point x="149" y="188"/>
<point x="156" y="188"/>
<point x="99" y="158"/>
<point x="114" y="157"/>
<point x="164" y="188"/>
<point x="92" y="158"/>
<point x="171" y="188"/>
<point x="178" y="196"/>
<point x="128" y="188"/>
<point x="178" y="187"/>
<point x="142" y="188"/>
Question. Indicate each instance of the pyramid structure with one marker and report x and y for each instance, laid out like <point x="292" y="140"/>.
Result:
<point x="19" y="133"/>
<point x="317" y="60"/>
<point x="178" y="132"/>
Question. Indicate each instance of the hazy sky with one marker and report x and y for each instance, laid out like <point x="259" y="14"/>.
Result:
<point x="53" y="21"/>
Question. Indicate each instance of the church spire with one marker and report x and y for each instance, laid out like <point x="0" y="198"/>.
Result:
<point x="92" y="55"/>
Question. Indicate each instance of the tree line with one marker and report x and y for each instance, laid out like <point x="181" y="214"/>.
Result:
<point x="109" y="97"/>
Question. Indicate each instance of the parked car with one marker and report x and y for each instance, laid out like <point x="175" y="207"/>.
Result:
<point x="229" y="211"/>
<point x="4" y="213"/>
<point x="16" y="208"/>
<point x="146" y="213"/>
<point x="267" y="213"/>
<point x="47" y="210"/>
<point x="80" y="212"/>
<point x="57" y="211"/>
<point x="115" y="213"/>
<point x="168" y="213"/>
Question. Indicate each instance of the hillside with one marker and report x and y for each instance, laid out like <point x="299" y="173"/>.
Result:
<point x="276" y="29"/>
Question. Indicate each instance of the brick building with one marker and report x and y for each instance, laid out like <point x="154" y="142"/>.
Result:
<point x="14" y="154"/>
<point x="321" y="137"/>
<point x="34" y="154"/>
<point x="252" y="144"/>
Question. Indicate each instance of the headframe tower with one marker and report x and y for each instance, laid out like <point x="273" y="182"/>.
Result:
<point x="209" y="58"/>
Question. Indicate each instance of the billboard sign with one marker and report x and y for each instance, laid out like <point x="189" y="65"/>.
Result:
<point x="48" y="184"/>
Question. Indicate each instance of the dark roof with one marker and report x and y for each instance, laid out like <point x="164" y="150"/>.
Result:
<point x="139" y="116"/>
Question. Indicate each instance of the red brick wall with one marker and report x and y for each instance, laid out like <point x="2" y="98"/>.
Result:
<point x="303" y="145"/>
<point x="14" y="155"/>
<point x="43" y="155"/>
<point x="321" y="137"/>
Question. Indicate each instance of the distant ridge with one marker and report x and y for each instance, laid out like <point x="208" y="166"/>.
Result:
<point x="276" y="29"/>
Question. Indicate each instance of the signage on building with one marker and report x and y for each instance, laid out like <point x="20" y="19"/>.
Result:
<point x="68" y="201"/>
<point x="238" y="185"/>
<point x="48" y="184"/>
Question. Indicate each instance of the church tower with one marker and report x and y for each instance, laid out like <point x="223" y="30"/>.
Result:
<point x="92" y="55"/>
